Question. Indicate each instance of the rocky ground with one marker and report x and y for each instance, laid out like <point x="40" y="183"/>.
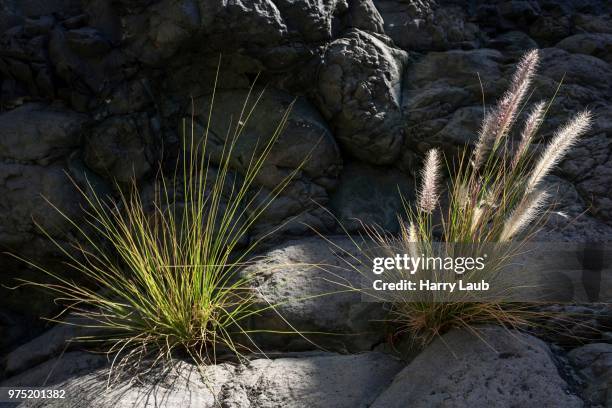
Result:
<point x="352" y="365"/>
<point x="96" y="89"/>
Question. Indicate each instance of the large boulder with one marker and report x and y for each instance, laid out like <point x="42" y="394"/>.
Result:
<point x="122" y="148"/>
<point x="37" y="133"/>
<point x="313" y="285"/>
<point x="594" y="364"/>
<point x="359" y="92"/>
<point x="597" y="45"/>
<point x="370" y="195"/>
<point x="587" y="164"/>
<point x="313" y="380"/>
<point x="278" y="34"/>
<point x="425" y="26"/>
<point x="305" y="145"/>
<point x="443" y="108"/>
<point x="493" y="367"/>
<point x="571" y="218"/>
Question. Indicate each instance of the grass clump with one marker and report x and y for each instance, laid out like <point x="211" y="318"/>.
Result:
<point x="165" y="270"/>
<point x="495" y="195"/>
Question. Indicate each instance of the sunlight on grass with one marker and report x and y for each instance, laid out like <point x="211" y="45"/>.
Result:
<point x="163" y="272"/>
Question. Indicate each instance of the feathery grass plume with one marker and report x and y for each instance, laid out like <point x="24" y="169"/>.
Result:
<point x="166" y="277"/>
<point x="536" y="116"/>
<point x="523" y="214"/>
<point x="499" y="120"/>
<point x="428" y="193"/>
<point x="563" y="140"/>
<point x="492" y="199"/>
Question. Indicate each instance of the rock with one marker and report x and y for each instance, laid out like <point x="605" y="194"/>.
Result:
<point x="571" y="325"/>
<point x="358" y="91"/>
<point x="26" y="191"/>
<point x="314" y="298"/>
<point x="48" y="345"/>
<point x="122" y="148"/>
<point x="58" y="369"/>
<point x="594" y="363"/>
<point x="263" y="30"/>
<point x="441" y="108"/>
<point x="164" y="27"/>
<point x="306" y="141"/>
<point x="306" y="144"/>
<point x="597" y="45"/>
<point x="590" y="23"/>
<point x="39" y="133"/>
<point x="371" y="195"/>
<point x="365" y="16"/>
<point x="513" y="42"/>
<point x="13" y="330"/>
<point x="38" y="26"/>
<point x="550" y="29"/>
<point x="569" y="220"/>
<point x="33" y="8"/>
<point x="85" y="60"/>
<point x="589" y="166"/>
<point x="496" y="368"/>
<point x="425" y="26"/>
<point x="87" y="41"/>
<point x="319" y="380"/>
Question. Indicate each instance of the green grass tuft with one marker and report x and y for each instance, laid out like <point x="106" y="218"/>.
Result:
<point x="164" y="270"/>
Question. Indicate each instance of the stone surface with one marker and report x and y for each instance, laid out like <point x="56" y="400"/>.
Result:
<point x="497" y="367"/>
<point x="441" y="109"/>
<point x="312" y="284"/>
<point x="98" y="88"/>
<point x="594" y="363"/>
<point x="359" y="92"/>
<point x="426" y="26"/>
<point x="318" y="380"/>
<point x="306" y="144"/>
<point x="371" y="195"/>
<point x="122" y="148"/>
<point x="38" y="133"/>
<point x="53" y="342"/>
<point x="597" y="45"/>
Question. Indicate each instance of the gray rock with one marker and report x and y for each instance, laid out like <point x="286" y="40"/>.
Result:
<point x="591" y="23"/>
<point x="365" y="16"/>
<point x="443" y="107"/>
<point x="39" y="133"/>
<point x="48" y="345"/>
<point x="13" y="330"/>
<point x="513" y="42"/>
<point x="320" y="380"/>
<point x="306" y="144"/>
<point x="589" y="163"/>
<point x="26" y="191"/>
<point x="263" y="29"/>
<point x="371" y="195"/>
<point x="358" y="90"/>
<point x="594" y="363"/>
<point x="308" y="282"/>
<point x="499" y="367"/>
<point x="122" y="148"/>
<point x="547" y="29"/>
<point x="57" y="370"/>
<point x="425" y="26"/>
<point x="597" y="45"/>
<point x="35" y="8"/>
<point x="569" y="219"/>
